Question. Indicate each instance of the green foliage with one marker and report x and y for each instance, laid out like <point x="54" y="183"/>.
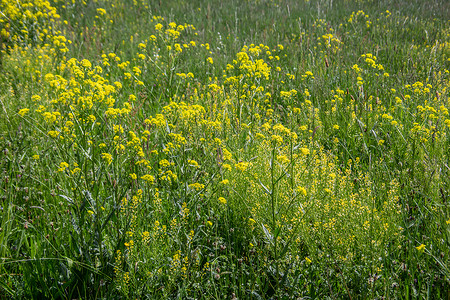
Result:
<point x="237" y="149"/>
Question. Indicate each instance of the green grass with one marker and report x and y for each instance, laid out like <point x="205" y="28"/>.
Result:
<point x="224" y="149"/>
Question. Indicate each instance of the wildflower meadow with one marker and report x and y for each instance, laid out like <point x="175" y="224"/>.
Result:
<point x="251" y="149"/>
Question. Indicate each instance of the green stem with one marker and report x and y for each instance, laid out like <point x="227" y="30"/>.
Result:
<point x="274" y="207"/>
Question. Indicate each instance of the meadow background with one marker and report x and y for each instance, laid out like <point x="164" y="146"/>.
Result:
<point x="257" y="149"/>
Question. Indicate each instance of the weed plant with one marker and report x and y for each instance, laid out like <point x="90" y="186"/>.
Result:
<point x="258" y="149"/>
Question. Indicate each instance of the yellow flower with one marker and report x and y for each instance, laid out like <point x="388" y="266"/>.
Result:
<point x="148" y="178"/>
<point x="306" y="93"/>
<point x="227" y="154"/>
<point x="196" y="186"/>
<point x="301" y="190"/>
<point x="62" y="166"/>
<point x="107" y="157"/>
<point x="133" y="176"/>
<point x="222" y="200"/>
<point x="282" y="159"/>
<point x="164" y="163"/>
<point x="210" y="60"/>
<point x="36" y="156"/>
<point x="86" y="63"/>
<point x="226" y="167"/>
<point x="308" y="260"/>
<point x="193" y="163"/>
<point x="101" y="11"/>
<point x="75" y="170"/>
<point x="305" y="151"/>
<point x="277" y="139"/>
<point x="421" y="248"/>
<point x="242" y="166"/>
<point x="23" y="111"/>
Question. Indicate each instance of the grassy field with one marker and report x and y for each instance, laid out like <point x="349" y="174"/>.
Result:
<point x="251" y="149"/>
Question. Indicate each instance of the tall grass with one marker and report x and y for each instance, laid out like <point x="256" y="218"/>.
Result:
<point x="238" y="149"/>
